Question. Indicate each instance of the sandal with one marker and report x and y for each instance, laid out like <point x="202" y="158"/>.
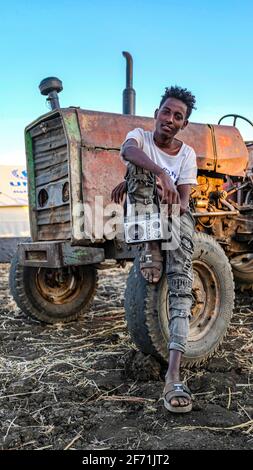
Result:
<point x="176" y="390"/>
<point x="152" y="260"/>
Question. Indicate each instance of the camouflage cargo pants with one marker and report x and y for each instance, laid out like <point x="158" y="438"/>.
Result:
<point x="141" y="188"/>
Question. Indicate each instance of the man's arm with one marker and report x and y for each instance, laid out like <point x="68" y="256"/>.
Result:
<point x="134" y="154"/>
<point x="184" y="192"/>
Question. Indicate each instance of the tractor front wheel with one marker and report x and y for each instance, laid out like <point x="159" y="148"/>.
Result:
<point x="52" y="295"/>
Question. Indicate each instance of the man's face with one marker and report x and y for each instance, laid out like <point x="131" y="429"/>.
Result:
<point x="171" y="117"/>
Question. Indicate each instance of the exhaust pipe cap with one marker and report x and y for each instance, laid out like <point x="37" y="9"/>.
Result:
<point x="49" y="84"/>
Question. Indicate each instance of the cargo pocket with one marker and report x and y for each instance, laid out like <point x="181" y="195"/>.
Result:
<point x="140" y="185"/>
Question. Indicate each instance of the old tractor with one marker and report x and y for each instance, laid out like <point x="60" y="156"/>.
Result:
<point x="73" y="164"/>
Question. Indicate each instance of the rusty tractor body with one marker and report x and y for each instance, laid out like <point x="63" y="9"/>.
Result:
<point x="73" y="163"/>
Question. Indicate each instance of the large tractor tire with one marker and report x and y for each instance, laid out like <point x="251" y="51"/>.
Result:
<point x="147" y="312"/>
<point x="242" y="266"/>
<point x="52" y="295"/>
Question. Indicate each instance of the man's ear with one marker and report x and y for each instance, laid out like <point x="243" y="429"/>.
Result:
<point x="156" y="112"/>
<point x="185" y="124"/>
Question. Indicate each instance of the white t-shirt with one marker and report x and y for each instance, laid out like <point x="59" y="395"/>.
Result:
<point x="182" y="168"/>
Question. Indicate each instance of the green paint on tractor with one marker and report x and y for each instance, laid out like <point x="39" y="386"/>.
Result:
<point x="30" y="169"/>
<point x="71" y="125"/>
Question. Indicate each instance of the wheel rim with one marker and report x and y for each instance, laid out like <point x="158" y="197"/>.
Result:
<point x="59" y="286"/>
<point x="206" y="302"/>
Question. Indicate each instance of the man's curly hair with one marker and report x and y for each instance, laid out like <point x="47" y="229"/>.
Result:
<point x="181" y="94"/>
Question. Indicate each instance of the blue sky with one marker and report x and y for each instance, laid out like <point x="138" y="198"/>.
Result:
<point x="205" y="46"/>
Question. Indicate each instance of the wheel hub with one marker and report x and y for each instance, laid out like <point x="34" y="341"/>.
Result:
<point x="206" y="299"/>
<point x="59" y="286"/>
<point x="205" y="306"/>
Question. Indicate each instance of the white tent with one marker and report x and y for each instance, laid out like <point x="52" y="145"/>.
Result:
<point x="14" y="221"/>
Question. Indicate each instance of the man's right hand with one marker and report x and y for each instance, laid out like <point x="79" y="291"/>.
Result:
<point x="169" y="191"/>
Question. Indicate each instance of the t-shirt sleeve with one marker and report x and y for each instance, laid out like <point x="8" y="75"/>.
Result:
<point x="188" y="171"/>
<point x="136" y="134"/>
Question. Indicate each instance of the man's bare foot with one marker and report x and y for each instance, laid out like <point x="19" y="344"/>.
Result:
<point x="151" y="262"/>
<point x="176" y="395"/>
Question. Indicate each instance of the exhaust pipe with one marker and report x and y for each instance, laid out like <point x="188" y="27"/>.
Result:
<point x="129" y="92"/>
<point x="51" y="86"/>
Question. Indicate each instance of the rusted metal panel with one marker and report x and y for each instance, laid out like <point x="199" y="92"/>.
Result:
<point x="44" y="161"/>
<point x="77" y="255"/>
<point x="54" y="195"/>
<point x="102" y="170"/>
<point x="53" y="142"/>
<point x="40" y="254"/>
<point x="82" y="147"/>
<point x="215" y="146"/>
<point x="53" y="173"/>
<point x="50" y="159"/>
<point x="31" y="185"/>
<point x="108" y="130"/>
<point x="199" y="137"/>
<point x="53" y="216"/>
<point x="44" y="125"/>
<point x="72" y="131"/>
<point x="232" y="153"/>
<point x="57" y="255"/>
<point x="59" y="231"/>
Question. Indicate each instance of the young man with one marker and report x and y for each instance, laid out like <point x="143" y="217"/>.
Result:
<point x="158" y="160"/>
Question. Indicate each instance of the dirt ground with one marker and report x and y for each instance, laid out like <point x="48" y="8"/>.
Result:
<point x="83" y="385"/>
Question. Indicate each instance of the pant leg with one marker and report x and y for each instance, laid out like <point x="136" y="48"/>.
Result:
<point x="180" y="277"/>
<point x="141" y="188"/>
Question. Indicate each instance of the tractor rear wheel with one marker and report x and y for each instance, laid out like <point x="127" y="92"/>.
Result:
<point x="147" y="311"/>
<point x="242" y="266"/>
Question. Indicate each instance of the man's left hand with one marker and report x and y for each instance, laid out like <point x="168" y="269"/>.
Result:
<point x="118" y="192"/>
